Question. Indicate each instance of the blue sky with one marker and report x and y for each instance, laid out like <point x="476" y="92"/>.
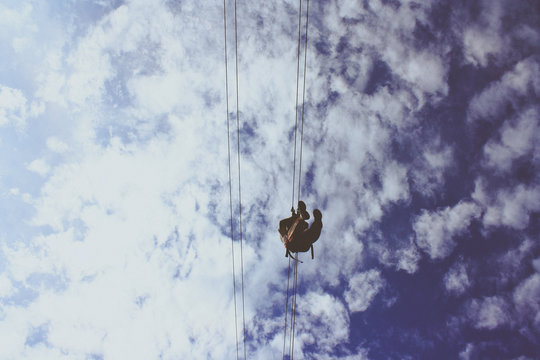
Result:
<point x="421" y="148"/>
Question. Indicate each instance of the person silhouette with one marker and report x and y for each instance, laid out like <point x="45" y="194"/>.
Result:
<point x="304" y="239"/>
<point x="295" y="233"/>
<point x="301" y="215"/>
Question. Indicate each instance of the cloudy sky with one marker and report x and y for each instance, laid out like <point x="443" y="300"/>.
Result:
<point x="421" y="148"/>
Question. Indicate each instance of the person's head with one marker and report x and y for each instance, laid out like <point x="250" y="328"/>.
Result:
<point x="317" y="214"/>
<point x="301" y="205"/>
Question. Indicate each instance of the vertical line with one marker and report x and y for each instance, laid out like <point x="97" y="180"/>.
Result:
<point x="230" y="178"/>
<point x="292" y="310"/>
<point x="293" y="316"/>
<point x="286" y="308"/>
<point x="296" y="98"/>
<point x="239" y="177"/>
<point x="303" y="101"/>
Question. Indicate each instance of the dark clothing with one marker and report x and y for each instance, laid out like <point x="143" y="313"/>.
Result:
<point x="303" y="240"/>
<point x="285" y="225"/>
<point x="302" y="237"/>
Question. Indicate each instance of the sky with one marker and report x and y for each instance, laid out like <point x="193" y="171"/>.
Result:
<point x="421" y="148"/>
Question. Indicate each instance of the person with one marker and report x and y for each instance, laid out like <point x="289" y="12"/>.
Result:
<point x="304" y="239"/>
<point x="301" y="215"/>
<point x="296" y="228"/>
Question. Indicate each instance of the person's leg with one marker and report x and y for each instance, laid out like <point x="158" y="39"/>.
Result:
<point x="300" y="243"/>
<point x="312" y="234"/>
<point x="285" y="224"/>
<point x="302" y="210"/>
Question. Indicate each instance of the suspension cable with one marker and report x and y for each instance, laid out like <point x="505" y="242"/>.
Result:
<point x="286" y="308"/>
<point x="239" y="178"/>
<point x="230" y="178"/>
<point x="294" y="172"/>
<point x="296" y="260"/>
<point x="293" y="308"/>
<point x="296" y="98"/>
<point x="303" y="101"/>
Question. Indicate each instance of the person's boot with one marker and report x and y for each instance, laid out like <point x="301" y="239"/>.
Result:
<point x="302" y="210"/>
<point x="317" y="214"/>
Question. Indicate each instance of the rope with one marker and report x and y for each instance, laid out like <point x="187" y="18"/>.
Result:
<point x="294" y="173"/>
<point x="296" y="99"/>
<point x="230" y="178"/>
<point x="293" y="309"/>
<point x="239" y="178"/>
<point x="286" y="308"/>
<point x="296" y="260"/>
<point x="303" y="101"/>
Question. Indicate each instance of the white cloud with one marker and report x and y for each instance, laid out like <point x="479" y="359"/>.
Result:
<point x="517" y="139"/>
<point x="160" y="94"/>
<point x="536" y="265"/>
<point x="513" y="264"/>
<point x="13" y="107"/>
<point x="29" y="35"/>
<point x="479" y="43"/>
<point x="394" y="183"/>
<point x="14" y="17"/>
<point x="435" y="231"/>
<point x="408" y="258"/>
<point x="341" y="254"/>
<point x="6" y="288"/>
<point x="489" y="313"/>
<point x="320" y="315"/>
<point x="52" y="80"/>
<point x="385" y="33"/>
<point x="389" y="33"/>
<point x="91" y="66"/>
<point x="514" y="84"/>
<point x="430" y="170"/>
<point x="488" y="39"/>
<point x="526" y="298"/>
<point x="362" y="289"/>
<point x="350" y="9"/>
<point x="56" y="145"/>
<point x="509" y="207"/>
<point x="466" y="353"/>
<point x="456" y="280"/>
<point x="426" y="70"/>
<point x="39" y="166"/>
<point x="112" y="212"/>
<point x="396" y="253"/>
<point x="20" y="44"/>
